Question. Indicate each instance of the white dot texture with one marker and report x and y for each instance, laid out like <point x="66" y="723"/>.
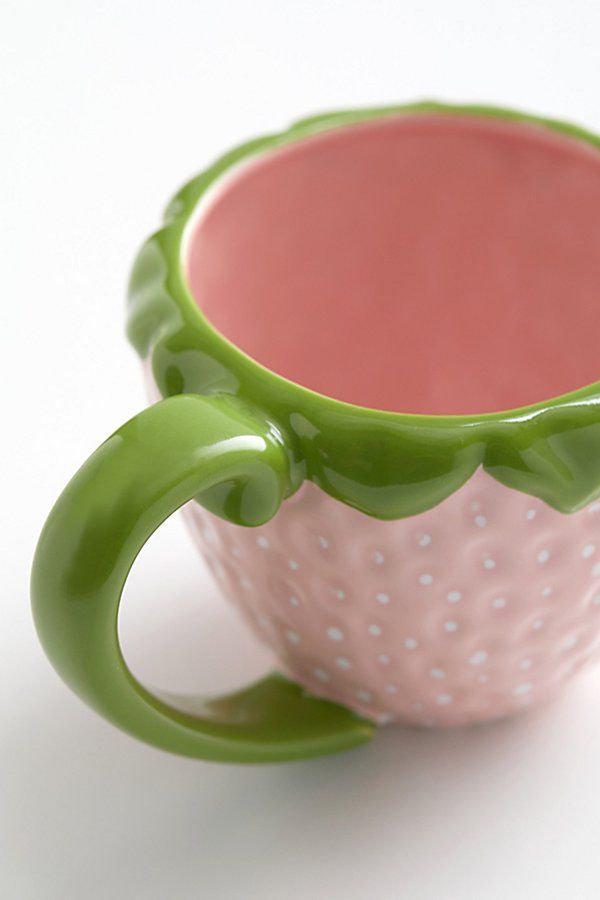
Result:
<point x="474" y="609"/>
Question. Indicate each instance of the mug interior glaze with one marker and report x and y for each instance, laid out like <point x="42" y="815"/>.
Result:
<point x="428" y="264"/>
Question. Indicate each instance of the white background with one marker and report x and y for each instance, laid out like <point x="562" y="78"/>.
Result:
<point x="106" y="108"/>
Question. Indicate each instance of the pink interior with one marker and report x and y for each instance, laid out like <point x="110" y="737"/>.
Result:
<point x="427" y="264"/>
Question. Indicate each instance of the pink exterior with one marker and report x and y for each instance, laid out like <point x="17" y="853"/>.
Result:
<point x="470" y="611"/>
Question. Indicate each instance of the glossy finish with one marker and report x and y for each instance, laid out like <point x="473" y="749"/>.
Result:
<point x="479" y="608"/>
<point x="406" y="463"/>
<point x="244" y="440"/>
<point x="176" y="450"/>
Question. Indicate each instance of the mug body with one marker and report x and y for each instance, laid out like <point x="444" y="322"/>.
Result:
<point x="476" y="609"/>
<point x="383" y="288"/>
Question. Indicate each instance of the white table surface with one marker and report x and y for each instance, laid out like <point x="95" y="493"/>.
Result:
<point x="106" y="109"/>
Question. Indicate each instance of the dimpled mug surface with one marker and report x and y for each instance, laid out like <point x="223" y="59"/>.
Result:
<point x="470" y="611"/>
<point x="371" y="340"/>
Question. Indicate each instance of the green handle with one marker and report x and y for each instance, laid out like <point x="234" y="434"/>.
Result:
<point x="180" y="448"/>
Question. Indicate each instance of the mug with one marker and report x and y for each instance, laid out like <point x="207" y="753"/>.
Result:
<point x="375" y="340"/>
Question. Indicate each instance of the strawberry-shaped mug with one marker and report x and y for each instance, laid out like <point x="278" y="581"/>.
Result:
<point x="375" y="339"/>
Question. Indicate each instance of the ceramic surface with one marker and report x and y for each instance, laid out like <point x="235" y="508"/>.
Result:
<point x="474" y="610"/>
<point x="438" y="569"/>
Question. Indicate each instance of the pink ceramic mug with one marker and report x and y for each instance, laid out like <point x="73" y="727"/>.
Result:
<point x="386" y="319"/>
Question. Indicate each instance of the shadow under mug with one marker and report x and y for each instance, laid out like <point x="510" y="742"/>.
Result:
<point x="373" y="333"/>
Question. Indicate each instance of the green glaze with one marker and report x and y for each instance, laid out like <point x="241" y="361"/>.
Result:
<point x="171" y="452"/>
<point x="239" y="439"/>
<point x="386" y="464"/>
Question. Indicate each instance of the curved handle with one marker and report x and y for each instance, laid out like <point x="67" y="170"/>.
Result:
<point x="179" y="448"/>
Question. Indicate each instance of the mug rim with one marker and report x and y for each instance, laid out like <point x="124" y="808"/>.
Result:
<point x="185" y="207"/>
<point x="152" y="320"/>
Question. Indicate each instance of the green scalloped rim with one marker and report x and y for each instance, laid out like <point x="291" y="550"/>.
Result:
<point x="386" y="464"/>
